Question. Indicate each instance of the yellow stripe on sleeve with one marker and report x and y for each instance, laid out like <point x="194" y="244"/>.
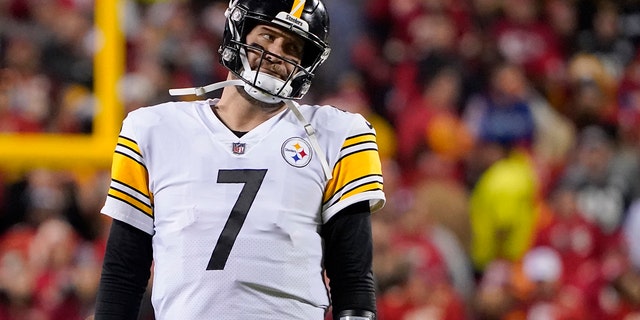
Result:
<point x="131" y="173"/>
<point x="368" y="137"/>
<point x="132" y="201"/>
<point x="374" y="185"/>
<point x="355" y="166"/>
<point x="129" y="144"/>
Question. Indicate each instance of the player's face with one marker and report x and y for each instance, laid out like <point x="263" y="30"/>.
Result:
<point x="278" y="42"/>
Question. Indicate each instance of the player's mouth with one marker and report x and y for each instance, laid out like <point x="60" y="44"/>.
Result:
<point x="274" y="70"/>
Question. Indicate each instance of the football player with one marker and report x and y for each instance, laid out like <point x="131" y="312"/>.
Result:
<point x="244" y="203"/>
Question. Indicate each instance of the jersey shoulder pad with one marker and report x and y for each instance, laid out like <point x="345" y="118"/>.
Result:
<point x="331" y="118"/>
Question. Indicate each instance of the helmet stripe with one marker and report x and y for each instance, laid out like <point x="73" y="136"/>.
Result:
<point x="296" y="9"/>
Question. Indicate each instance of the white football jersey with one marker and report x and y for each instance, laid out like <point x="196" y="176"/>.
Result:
<point x="235" y="221"/>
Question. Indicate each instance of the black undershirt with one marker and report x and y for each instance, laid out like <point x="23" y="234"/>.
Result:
<point x="125" y="273"/>
<point x="348" y="253"/>
<point x="347" y="259"/>
<point x="239" y="134"/>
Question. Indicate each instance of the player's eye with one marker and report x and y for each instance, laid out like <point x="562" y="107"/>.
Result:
<point x="268" y="37"/>
<point x="294" y="49"/>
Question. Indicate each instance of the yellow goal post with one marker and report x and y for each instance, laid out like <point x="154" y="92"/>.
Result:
<point x="77" y="151"/>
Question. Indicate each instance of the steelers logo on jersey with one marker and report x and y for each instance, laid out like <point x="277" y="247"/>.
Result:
<point x="296" y="151"/>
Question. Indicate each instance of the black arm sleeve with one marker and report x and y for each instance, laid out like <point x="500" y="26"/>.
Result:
<point x="125" y="273"/>
<point x="348" y="256"/>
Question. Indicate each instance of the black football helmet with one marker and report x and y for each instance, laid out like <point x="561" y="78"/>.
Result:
<point x="308" y="19"/>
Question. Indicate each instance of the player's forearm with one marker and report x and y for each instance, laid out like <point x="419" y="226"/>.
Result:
<point x="348" y="256"/>
<point x="125" y="273"/>
<point x="116" y="302"/>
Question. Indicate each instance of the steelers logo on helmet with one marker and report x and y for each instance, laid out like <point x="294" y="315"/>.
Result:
<point x="297" y="152"/>
<point x="308" y="19"/>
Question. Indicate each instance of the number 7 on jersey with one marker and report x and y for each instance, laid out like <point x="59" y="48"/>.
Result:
<point x="252" y="180"/>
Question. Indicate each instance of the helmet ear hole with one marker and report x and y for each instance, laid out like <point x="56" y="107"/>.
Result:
<point x="311" y="24"/>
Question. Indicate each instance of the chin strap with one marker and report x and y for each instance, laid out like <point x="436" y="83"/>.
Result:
<point x="199" y="91"/>
<point x="292" y="105"/>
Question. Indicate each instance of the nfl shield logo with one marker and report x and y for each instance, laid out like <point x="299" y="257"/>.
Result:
<point x="238" y="148"/>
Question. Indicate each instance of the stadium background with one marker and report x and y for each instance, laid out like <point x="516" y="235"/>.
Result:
<point x="517" y="118"/>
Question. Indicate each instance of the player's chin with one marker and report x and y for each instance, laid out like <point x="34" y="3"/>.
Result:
<point x="261" y="104"/>
<point x="269" y="106"/>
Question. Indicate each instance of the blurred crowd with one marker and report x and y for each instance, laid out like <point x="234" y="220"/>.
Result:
<point x="509" y="132"/>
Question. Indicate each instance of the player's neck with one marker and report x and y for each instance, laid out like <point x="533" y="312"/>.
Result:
<point x="240" y="114"/>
